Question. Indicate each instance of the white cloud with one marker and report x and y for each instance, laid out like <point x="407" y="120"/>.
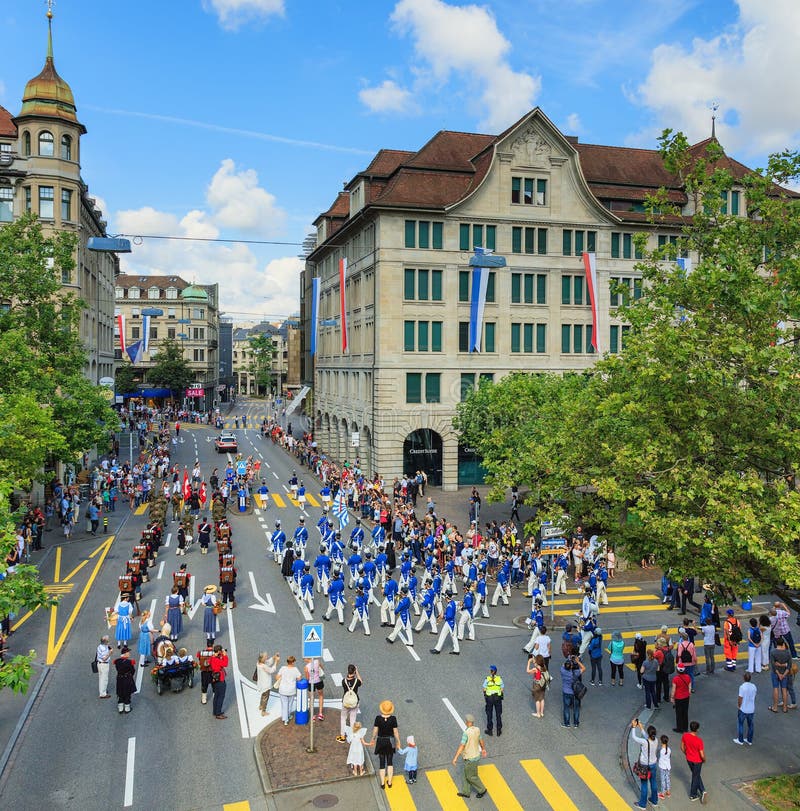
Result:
<point x="750" y="69"/>
<point x="387" y="97"/>
<point x="246" y="285"/>
<point x="465" y="40"/>
<point x="239" y="202"/>
<point x="572" y="124"/>
<point x="233" y="14"/>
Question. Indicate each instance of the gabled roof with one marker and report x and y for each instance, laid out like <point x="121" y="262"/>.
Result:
<point x="7" y="127"/>
<point x="386" y="161"/>
<point x="127" y="280"/>
<point x="624" y="166"/>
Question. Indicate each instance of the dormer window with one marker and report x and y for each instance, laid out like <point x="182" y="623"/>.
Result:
<point x="133" y="292"/>
<point x="66" y="148"/>
<point x="46" y="144"/>
<point x="172" y="292"/>
<point x="119" y="292"/>
<point x="153" y="293"/>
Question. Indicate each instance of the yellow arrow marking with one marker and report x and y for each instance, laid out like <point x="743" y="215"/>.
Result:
<point x="57" y="571"/>
<point x="54" y="646"/>
<point x="76" y="570"/>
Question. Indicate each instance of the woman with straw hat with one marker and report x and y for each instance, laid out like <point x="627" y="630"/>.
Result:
<point x="385" y="736"/>
<point x="209" y="601"/>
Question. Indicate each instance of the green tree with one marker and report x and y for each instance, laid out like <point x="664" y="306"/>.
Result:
<point x="262" y="351"/>
<point x="171" y="369"/>
<point x="125" y="379"/>
<point x="687" y="444"/>
<point x="47" y="407"/>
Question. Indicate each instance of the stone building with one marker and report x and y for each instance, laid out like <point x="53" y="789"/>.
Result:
<point x="40" y="172"/>
<point x="407" y="226"/>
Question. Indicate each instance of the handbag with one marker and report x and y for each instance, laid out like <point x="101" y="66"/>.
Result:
<point x="94" y="665"/>
<point x="579" y="688"/>
<point x="641" y="771"/>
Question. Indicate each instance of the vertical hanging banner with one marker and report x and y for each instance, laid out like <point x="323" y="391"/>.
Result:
<point x="481" y="263"/>
<point x="314" y="314"/>
<point x="145" y="333"/>
<point x="121" y="329"/>
<point x="342" y="301"/>
<point x="590" y="266"/>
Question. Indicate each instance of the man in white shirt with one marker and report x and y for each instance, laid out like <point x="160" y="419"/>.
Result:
<point x="747" y="709"/>
<point x="103" y="666"/>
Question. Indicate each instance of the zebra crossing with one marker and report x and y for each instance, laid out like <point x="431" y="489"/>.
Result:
<point x="439" y="789"/>
<point x="621" y="599"/>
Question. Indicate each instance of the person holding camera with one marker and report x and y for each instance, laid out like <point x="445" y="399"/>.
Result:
<point x="645" y="766"/>
<point x="571" y="672"/>
<point x="219" y="661"/>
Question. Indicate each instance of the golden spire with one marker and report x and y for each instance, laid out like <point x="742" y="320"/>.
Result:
<point x="49" y="29"/>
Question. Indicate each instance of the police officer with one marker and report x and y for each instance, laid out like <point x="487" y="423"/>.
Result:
<point x="449" y="626"/>
<point x="493" y="697"/>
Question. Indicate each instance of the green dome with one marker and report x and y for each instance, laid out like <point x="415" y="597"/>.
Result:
<point x="194" y="293"/>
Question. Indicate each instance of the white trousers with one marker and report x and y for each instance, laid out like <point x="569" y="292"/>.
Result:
<point x="444" y="633"/>
<point x="399" y="625"/>
<point x="339" y="608"/>
<point x="354" y="621"/>
<point x="465" y="622"/>
<point x="501" y="591"/>
<point x="102" y="675"/>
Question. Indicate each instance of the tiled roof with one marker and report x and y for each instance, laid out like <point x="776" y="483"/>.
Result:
<point x="450" y="151"/>
<point x="7" y="126"/>
<point x="386" y="161"/>
<point x="129" y="280"/>
<point x="420" y="188"/>
<point x="607" y="191"/>
<point x="624" y="166"/>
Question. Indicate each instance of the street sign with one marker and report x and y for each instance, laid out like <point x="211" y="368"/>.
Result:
<point x="553" y="546"/>
<point x="548" y="530"/>
<point x="241" y="468"/>
<point x="312" y="640"/>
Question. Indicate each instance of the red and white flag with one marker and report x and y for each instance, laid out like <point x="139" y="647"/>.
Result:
<point x="342" y="301"/>
<point x="121" y="330"/>
<point x="590" y="266"/>
<point x="187" y="490"/>
<point x="203" y="495"/>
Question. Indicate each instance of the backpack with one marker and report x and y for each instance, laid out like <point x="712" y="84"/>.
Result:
<point x="755" y="635"/>
<point x="669" y="662"/>
<point x="578" y="687"/>
<point x="350" y="697"/>
<point x="735" y="633"/>
<point x="567" y="648"/>
<point x="686" y="655"/>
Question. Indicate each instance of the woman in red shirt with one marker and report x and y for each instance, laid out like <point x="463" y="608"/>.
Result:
<point x="219" y="661"/>
<point x="692" y="746"/>
<point x="679" y="696"/>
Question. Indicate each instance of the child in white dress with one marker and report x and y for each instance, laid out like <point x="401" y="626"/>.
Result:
<point x="355" y="754"/>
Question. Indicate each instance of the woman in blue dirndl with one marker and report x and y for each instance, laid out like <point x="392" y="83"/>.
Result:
<point x="173" y="613"/>
<point x="124" y="613"/>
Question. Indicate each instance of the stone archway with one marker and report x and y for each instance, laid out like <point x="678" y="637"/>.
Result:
<point x="423" y="450"/>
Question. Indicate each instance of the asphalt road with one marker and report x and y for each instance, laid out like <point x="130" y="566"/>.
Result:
<point x="77" y="752"/>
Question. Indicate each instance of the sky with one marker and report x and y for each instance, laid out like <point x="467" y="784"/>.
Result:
<point x="242" y="119"/>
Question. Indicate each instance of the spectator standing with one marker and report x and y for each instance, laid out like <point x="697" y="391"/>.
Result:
<point x="647" y="763"/>
<point x="103" y="666"/>
<point x="266" y="668"/>
<point x="571" y="670"/>
<point x="472" y="749"/>
<point x="219" y="661"/>
<point x="747" y="709"/>
<point x="732" y="637"/>
<point x="616" y="653"/>
<point x="350" y="700"/>
<point x="781" y="662"/>
<point x="286" y="680"/>
<point x="411" y="759"/>
<point x="679" y="696"/>
<point x="694" y="749"/>
<point x="780" y="626"/>
<point x="709" y="631"/>
<point x="385" y="735"/>
<point x="665" y="768"/>
<point x="649" y="671"/>
<point x="754" y="641"/>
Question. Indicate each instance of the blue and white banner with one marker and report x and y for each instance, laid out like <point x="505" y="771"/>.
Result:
<point x="145" y="333"/>
<point x="685" y="264"/>
<point x="340" y="509"/>
<point x="314" y="314"/>
<point x="480" y="281"/>
<point x="135" y="351"/>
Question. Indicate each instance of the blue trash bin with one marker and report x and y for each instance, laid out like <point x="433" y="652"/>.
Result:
<point x="301" y="715"/>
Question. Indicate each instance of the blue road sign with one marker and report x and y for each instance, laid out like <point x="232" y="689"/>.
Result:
<point x="312" y="640"/>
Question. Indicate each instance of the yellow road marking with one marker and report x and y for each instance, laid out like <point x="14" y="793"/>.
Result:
<point x="446" y="791"/>
<point x="279" y="502"/>
<point x="242" y="806"/>
<point x="555" y="795"/>
<point x="59" y="588"/>
<point x="498" y="788"/>
<point x="399" y="796"/>
<point x="597" y="784"/>
<point x="24" y="619"/>
<point x="262" y="501"/>
<point x="57" y="569"/>
<point x="293" y="500"/>
<point x="141" y="509"/>
<point x="619" y="609"/>
<point x="616" y="599"/>
<point x="76" y="570"/>
<point x="311" y="500"/>
<point x="54" y="645"/>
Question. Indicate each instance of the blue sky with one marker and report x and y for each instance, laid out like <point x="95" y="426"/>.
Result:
<point x="243" y="118"/>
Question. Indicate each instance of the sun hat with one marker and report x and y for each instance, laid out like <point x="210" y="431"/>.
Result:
<point x="386" y="707"/>
<point x="210" y="589"/>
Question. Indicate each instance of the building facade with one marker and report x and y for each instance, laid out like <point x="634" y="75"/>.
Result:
<point x="40" y="172"/>
<point x="281" y="367"/>
<point x="408" y="225"/>
<point x="179" y="311"/>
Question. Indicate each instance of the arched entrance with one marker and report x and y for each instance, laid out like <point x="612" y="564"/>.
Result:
<point x="422" y="450"/>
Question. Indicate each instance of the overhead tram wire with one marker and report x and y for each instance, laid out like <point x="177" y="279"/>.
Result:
<point x="141" y="237"/>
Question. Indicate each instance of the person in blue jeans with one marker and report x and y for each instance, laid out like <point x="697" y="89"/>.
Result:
<point x="647" y="762"/>
<point x="572" y="669"/>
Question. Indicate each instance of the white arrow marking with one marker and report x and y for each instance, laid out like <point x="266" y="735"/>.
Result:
<point x="192" y="610"/>
<point x="264" y="603"/>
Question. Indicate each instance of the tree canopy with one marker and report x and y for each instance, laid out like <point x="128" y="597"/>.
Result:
<point x="48" y="409"/>
<point x="171" y="369"/>
<point x="685" y="445"/>
<point x="262" y="351"/>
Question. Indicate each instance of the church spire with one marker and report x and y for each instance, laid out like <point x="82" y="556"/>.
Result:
<point x="714" y="108"/>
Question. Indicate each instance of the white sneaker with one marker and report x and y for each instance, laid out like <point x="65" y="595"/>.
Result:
<point x="737" y="741"/>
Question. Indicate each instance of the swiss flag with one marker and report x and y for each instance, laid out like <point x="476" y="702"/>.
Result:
<point x="187" y="490"/>
<point x="203" y="494"/>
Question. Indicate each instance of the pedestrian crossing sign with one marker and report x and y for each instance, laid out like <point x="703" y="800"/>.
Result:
<point x="312" y="640"/>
